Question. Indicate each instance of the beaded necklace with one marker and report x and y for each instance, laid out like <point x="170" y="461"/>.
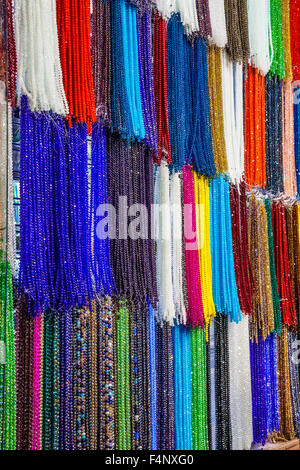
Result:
<point x="177" y="262"/>
<point x="80" y="368"/>
<point x="288" y="152"/>
<point x="146" y="78"/>
<point x="258" y="389"/>
<point x="218" y="22"/>
<point x="54" y="274"/>
<point x="130" y="175"/>
<point x="201" y="188"/>
<point x="66" y="434"/>
<point x="297" y="139"/>
<point x="264" y="386"/>
<point x="39" y="70"/>
<point x="165" y="390"/>
<point x="275" y="294"/>
<point x="178" y="90"/>
<point x="182" y="388"/>
<point x="224" y="283"/>
<point x="199" y="396"/>
<point x="123" y="377"/>
<point x="50" y="382"/>
<point x="127" y="114"/>
<point x="37" y="382"/>
<point x="103" y="277"/>
<point x="292" y="228"/>
<point x="282" y="264"/>
<point x="216" y="108"/>
<point x="205" y="29"/>
<point x="24" y="378"/>
<point x="263" y="310"/>
<point x="166" y="307"/>
<point x="286" y="38"/>
<point x="240" y="384"/>
<point x="8" y="362"/>
<point x="284" y="388"/>
<point x="237" y="29"/>
<point x="222" y="392"/>
<point x="92" y="379"/>
<point x="74" y="36"/>
<point x="140" y="377"/>
<point x="242" y="265"/>
<point x="232" y="91"/>
<point x="161" y="88"/>
<point x="8" y="49"/>
<point x="153" y="377"/>
<point x="195" y="314"/>
<point x="294" y="382"/>
<point x="101" y="44"/>
<point x="254" y="129"/>
<point x="198" y="120"/>
<point x="273" y="116"/>
<point x="107" y="376"/>
<point x="277" y="65"/>
<point x="271" y="383"/>
<point x="294" y="30"/>
<point x="260" y="40"/>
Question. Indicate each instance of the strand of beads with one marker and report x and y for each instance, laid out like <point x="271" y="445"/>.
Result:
<point x="292" y="227"/>
<point x="254" y="129"/>
<point x="216" y="108"/>
<point x="39" y="69"/>
<point x="123" y="377"/>
<point x="101" y="43"/>
<point x="224" y="283"/>
<point x="165" y="424"/>
<point x="295" y="26"/>
<point x="153" y="377"/>
<point x="199" y="397"/>
<point x="237" y="29"/>
<point x="242" y="265"/>
<point x="240" y="384"/>
<point x="263" y="313"/>
<point x="288" y="152"/>
<point x="107" y="436"/>
<point x="200" y="136"/>
<point x="66" y="434"/>
<point x="80" y="379"/>
<point x="103" y="277"/>
<point x="74" y="33"/>
<point x="277" y="65"/>
<point x="284" y="387"/>
<point x="178" y="90"/>
<point x="201" y="187"/>
<point x="8" y="359"/>
<point x="294" y="381"/>
<point x="161" y="88"/>
<point x="222" y="392"/>
<point x="282" y="265"/>
<point x="146" y="79"/>
<point x="48" y="365"/>
<point x="195" y="314"/>
<point x="8" y="48"/>
<point x="37" y="382"/>
<point x="182" y="388"/>
<point x="275" y="294"/>
<point x="92" y="411"/>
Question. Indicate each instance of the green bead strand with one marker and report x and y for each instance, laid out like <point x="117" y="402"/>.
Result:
<point x="275" y="294"/>
<point x="123" y="377"/>
<point x="199" y="396"/>
<point x="277" y="66"/>
<point x="8" y="365"/>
